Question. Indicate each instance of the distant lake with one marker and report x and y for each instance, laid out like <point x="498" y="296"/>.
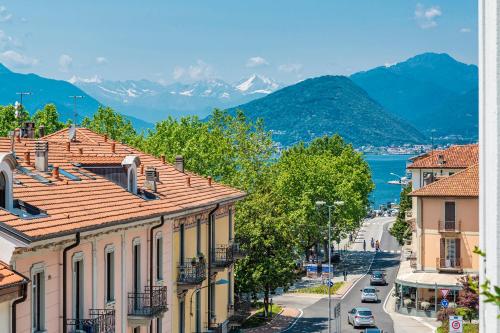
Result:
<point x="382" y="166"/>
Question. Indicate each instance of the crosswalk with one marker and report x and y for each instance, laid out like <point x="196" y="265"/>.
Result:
<point x="391" y="251"/>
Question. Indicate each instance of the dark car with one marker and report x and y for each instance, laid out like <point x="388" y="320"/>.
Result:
<point x="378" y="278"/>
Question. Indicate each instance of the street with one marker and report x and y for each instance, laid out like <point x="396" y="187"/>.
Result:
<point x="315" y="310"/>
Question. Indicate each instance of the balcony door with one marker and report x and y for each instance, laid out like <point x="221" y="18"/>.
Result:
<point x="78" y="292"/>
<point x="450" y="252"/>
<point x="449" y="215"/>
<point x="137" y="267"/>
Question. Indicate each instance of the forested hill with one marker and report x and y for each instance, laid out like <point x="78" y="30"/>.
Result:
<point x="329" y="105"/>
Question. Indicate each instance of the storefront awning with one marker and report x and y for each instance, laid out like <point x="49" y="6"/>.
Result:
<point x="407" y="277"/>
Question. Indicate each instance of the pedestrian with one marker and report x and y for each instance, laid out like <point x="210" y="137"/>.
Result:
<point x="364" y="244"/>
<point x="350" y="237"/>
<point x="345" y="275"/>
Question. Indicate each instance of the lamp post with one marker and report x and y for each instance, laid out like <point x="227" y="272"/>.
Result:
<point x="218" y="283"/>
<point x="335" y="204"/>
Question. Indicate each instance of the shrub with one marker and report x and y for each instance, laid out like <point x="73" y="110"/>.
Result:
<point x="444" y="314"/>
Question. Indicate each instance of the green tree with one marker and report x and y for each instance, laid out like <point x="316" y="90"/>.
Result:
<point x="401" y="229"/>
<point x="48" y="117"/>
<point x="116" y="126"/>
<point x="8" y="119"/>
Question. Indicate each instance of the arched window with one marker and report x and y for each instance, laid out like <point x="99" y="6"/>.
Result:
<point x="3" y="190"/>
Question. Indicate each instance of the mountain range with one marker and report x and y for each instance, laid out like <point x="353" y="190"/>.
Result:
<point x="154" y="101"/>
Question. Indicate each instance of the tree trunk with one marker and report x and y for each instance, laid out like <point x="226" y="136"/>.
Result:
<point x="325" y="249"/>
<point x="266" y="302"/>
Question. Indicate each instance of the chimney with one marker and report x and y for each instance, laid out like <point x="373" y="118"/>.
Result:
<point x="179" y="163"/>
<point x="17" y="134"/>
<point x="27" y="158"/>
<point x="68" y="146"/>
<point x="42" y="156"/>
<point x="80" y="150"/>
<point x="188" y="181"/>
<point x="440" y="159"/>
<point x="142" y="169"/>
<point x="113" y="147"/>
<point x="41" y="131"/>
<point x="28" y="129"/>
<point x="151" y="178"/>
<point x="55" y="172"/>
<point x="209" y="178"/>
<point x="105" y="138"/>
<point x="162" y="159"/>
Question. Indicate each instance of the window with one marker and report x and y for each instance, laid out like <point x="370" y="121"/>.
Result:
<point x="3" y="190"/>
<point x="212" y="302"/>
<point x="38" y="299"/>
<point x="110" y="274"/>
<point x="449" y="211"/>
<point x="137" y="329"/>
<point x="137" y="265"/>
<point x="198" y="312"/>
<point x="158" y="325"/>
<point x="78" y="284"/>
<point x="159" y="258"/>
<point x="230" y="224"/>
<point x="181" y="316"/>
<point x="230" y="288"/>
<point x="198" y="236"/>
<point x="181" y="244"/>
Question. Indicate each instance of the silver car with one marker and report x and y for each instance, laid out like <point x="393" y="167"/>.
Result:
<point x="359" y="316"/>
<point x="369" y="294"/>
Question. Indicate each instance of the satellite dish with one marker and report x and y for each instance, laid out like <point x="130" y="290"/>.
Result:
<point x="72" y="133"/>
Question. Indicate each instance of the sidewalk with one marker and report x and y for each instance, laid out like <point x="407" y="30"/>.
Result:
<point x="278" y="324"/>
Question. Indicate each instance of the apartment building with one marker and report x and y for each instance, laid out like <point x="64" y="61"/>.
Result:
<point x="94" y="226"/>
<point x="445" y="219"/>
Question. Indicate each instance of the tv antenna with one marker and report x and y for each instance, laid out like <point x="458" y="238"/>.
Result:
<point x="75" y="97"/>
<point x="23" y="93"/>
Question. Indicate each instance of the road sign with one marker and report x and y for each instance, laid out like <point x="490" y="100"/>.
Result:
<point x="444" y="292"/>
<point x="330" y="283"/>
<point x="444" y="303"/>
<point x="456" y="324"/>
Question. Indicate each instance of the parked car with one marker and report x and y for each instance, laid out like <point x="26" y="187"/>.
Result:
<point x="373" y="330"/>
<point x="369" y="294"/>
<point x="377" y="278"/>
<point x="359" y="316"/>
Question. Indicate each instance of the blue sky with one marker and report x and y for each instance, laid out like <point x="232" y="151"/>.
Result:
<point x="170" y="41"/>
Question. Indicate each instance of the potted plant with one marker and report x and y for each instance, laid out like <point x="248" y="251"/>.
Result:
<point x="425" y="305"/>
<point x="407" y="302"/>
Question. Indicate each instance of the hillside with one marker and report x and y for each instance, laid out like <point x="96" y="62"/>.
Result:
<point x="431" y="91"/>
<point x="45" y="91"/>
<point x="329" y="105"/>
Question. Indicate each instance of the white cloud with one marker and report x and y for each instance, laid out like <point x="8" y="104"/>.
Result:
<point x="256" y="61"/>
<point x="290" y="68"/>
<point x="16" y="59"/>
<point x="101" y="60"/>
<point x="465" y="30"/>
<point x="93" y="79"/>
<point x="8" y="42"/>
<point x="65" y="62"/>
<point x="5" y="16"/>
<point x="426" y="17"/>
<point x="200" y="70"/>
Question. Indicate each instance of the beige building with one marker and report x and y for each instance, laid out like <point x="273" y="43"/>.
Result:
<point x="445" y="222"/>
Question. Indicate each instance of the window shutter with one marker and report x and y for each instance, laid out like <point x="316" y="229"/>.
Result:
<point x="457" y="247"/>
<point x="442" y="249"/>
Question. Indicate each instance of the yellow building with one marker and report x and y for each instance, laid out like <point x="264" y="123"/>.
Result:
<point x="204" y="252"/>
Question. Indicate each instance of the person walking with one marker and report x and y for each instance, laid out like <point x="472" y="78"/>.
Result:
<point x="364" y="244"/>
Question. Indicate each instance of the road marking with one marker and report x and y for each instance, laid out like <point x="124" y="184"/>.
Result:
<point x="295" y="321"/>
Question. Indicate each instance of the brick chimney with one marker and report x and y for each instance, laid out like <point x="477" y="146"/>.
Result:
<point x="209" y="178"/>
<point x="162" y="157"/>
<point x="41" y="131"/>
<point x="152" y="178"/>
<point x="179" y="163"/>
<point x="68" y="146"/>
<point x="27" y="157"/>
<point x="55" y="172"/>
<point x="113" y="147"/>
<point x="42" y="156"/>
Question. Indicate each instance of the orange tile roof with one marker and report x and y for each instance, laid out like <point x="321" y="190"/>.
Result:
<point x="89" y="203"/>
<point x="462" y="184"/>
<point x="454" y="157"/>
<point x="8" y="277"/>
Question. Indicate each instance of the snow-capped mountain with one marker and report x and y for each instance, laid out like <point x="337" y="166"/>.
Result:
<point x="154" y="101"/>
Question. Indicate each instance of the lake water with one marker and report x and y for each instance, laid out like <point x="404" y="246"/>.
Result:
<point x="382" y="166"/>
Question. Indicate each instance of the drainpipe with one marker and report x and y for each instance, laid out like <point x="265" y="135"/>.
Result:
<point x="151" y="247"/>
<point x="18" y="301"/>
<point x="209" y="256"/>
<point x="65" y="251"/>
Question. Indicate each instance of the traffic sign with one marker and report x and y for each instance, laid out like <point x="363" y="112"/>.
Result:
<point x="330" y="283"/>
<point x="444" y="303"/>
<point x="456" y="324"/>
<point x="444" y="292"/>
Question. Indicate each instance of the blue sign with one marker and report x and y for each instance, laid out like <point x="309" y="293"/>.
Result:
<point x="444" y="303"/>
<point x="330" y="283"/>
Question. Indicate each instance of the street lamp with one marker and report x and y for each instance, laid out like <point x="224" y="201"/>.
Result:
<point x="335" y="204"/>
<point x="217" y="283"/>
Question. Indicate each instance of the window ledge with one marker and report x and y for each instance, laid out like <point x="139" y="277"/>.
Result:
<point x="110" y="304"/>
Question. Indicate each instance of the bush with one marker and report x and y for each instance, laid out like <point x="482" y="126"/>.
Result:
<point x="444" y="314"/>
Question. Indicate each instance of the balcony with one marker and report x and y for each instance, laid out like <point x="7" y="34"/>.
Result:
<point x="449" y="265"/>
<point x="149" y="304"/>
<point x="236" y="251"/>
<point x="450" y="226"/>
<point x="222" y="256"/>
<point x="99" y="321"/>
<point x="192" y="272"/>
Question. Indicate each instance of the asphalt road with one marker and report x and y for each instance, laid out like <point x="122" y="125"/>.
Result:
<point x="315" y="312"/>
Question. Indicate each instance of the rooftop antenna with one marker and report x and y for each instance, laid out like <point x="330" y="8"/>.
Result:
<point x="19" y="106"/>
<point x="75" y="97"/>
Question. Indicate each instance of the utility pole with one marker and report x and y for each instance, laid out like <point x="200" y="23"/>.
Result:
<point x="23" y="93"/>
<point x="20" y="106"/>
<point x="75" y="113"/>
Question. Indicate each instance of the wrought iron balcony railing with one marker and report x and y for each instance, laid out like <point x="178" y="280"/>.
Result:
<point x="450" y="226"/>
<point x="191" y="272"/>
<point x="99" y="321"/>
<point x="452" y="264"/>
<point x="237" y="251"/>
<point x="222" y="256"/>
<point x="150" y="303"/>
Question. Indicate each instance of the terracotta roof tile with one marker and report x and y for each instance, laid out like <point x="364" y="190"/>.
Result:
<point x="462" y="184"/>
<point x="8" y="277"/>
<point x="454" y="157"/>
<point x="72" y="205"/>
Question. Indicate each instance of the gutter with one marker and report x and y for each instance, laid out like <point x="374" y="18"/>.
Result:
<point x="65" y="300"/>
<point x="18" y="301"/>
<point x="210" y="226"/>
<point x="151" y="248"/>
